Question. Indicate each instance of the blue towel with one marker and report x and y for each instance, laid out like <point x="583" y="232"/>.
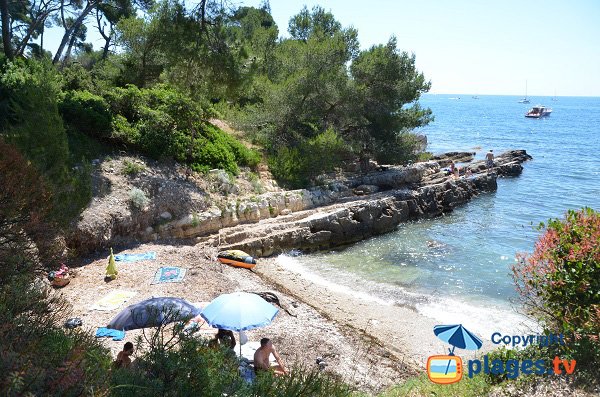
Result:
<point x="115" y="334"/>
<point x="135" y="257"/>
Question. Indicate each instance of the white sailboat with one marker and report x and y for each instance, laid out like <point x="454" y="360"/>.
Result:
<point x="525" y="100"/>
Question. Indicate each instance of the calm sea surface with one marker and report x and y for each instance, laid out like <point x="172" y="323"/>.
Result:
<point x="456" y="268"/>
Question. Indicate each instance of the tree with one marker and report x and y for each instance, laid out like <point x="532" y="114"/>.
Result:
<point x="6" y="36"/>
<point x="371" y="105"/>
<point x="72" y="27"/>
<point x="110" y="13"/>
<point x="386" y="82"/>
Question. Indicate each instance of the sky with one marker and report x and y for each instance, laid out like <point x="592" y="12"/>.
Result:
<point x="472" y="47"/>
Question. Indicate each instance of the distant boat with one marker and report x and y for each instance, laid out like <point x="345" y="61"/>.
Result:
<point x="538" y="111"/>
<point x="525" y="100"/>
<point x="554" y="98"/>
<point x="475" y="97"/>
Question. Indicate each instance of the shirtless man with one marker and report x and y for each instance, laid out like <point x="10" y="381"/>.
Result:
<point x="489" y="159"/>
<point x="261" y="358"/>
<point x="123" y="360"/>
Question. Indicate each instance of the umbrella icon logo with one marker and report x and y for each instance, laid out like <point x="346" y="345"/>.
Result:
<point x="448" y="368"/>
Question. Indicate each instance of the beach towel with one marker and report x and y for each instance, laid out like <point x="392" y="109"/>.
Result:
<point x="146" y="256"/>
<point x="113" y="300"/>
<point x="115" y="334"/>
<point x="169" y="275"/>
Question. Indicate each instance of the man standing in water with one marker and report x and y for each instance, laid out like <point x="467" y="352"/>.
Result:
<point x="489" y="160"/>
<point x="261" y="358"/>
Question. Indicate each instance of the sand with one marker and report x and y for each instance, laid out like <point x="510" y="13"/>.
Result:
<point x="331" y="330"/>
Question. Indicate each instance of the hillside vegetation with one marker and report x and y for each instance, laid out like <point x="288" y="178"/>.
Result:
<point x="308" y="103"/>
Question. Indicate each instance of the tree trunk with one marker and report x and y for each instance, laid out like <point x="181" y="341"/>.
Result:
<point x="72" y="30"/>
<point x="106" y="46"/>
<point x="70" y="47"/>
<point x="6" y="29"/>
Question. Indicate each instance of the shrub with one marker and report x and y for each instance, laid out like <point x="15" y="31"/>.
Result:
<point x="138" y="198"/>
<point x="174" y="364"/>
<point x="560" y="283"/>
<point x="131" y="168"/>
<point x="156" y="132"/>
<point x="29" y="119"/>
<point x="38" y="356"/>
<point x="86" y="112"/>
<point x="162" y="122"/>
<point x="296" y="167"/>
<point x="76" y="78"/>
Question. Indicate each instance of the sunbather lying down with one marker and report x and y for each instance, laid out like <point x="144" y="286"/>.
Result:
<point x="261" y="358"/>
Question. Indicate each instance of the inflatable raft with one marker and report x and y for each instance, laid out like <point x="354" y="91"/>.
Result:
<point x="236" y="258"/>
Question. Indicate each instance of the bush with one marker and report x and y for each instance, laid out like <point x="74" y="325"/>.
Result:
<point x="138" y="198"/>
<point x="76" y="78"/>
<point x="30" y="120"/>
<point x="86" y="112"/>
<point x="560" y="283"/>
<point x="162" y="122"/>
<point x="38" y="356"/>
<point x="296" y="167"/>
<point x="130" y="168"/>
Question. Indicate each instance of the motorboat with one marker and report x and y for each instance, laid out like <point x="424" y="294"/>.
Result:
<point x="525" y="100"/>
<point x="538" y="111"/>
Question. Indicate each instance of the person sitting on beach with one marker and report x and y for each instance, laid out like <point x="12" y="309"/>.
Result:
<point x="456" y="172"/>
<point x="261" y="358"/>
<point x="123" y="360"/>
<point x="489" y="159"/>
<point x="223" y="337"/>
<point x="452" y="167"/>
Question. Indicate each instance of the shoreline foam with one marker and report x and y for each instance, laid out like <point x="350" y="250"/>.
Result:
<point x="406" y="330"/>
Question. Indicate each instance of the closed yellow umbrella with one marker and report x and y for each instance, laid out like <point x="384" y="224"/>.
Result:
<point x="111" y="269"/>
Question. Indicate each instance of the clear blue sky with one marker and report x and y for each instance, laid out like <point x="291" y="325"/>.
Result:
<point x="475" y="47"/>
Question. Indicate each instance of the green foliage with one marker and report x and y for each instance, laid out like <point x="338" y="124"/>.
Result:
<point x="319" y="80"/>
<point x="38" y="357"/>
<point x="560" y="283"/>
<point x="31" y="121"/>
<point x="77" y="78"/>
<point x="87" y="113"/>
<point x="296" y="167"/>
<point x="130" y="168"/>
<point x="299" y="382"/>
<point x="30" y="118"/>
<point x="421" y="386"/>
<point x="160" y="122"/>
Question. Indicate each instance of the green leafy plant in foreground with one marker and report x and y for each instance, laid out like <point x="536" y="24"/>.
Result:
<point x="421" y="386"/>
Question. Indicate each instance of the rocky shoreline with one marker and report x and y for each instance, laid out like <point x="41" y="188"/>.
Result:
<point x="346" y="208"/>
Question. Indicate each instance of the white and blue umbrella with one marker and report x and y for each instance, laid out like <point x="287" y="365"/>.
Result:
<point x="457" y="336"/>
<point x="239" y="311"/>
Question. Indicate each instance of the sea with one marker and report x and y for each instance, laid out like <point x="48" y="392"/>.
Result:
<point x="457" y="268"/>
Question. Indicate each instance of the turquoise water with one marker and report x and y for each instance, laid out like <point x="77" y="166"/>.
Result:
<point x="465" y="257"/>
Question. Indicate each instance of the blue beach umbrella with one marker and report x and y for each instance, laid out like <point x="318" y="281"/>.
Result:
<point x="239" y="311"/>
<point x="457" y="336"/>
<point x="153" y="313"/>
